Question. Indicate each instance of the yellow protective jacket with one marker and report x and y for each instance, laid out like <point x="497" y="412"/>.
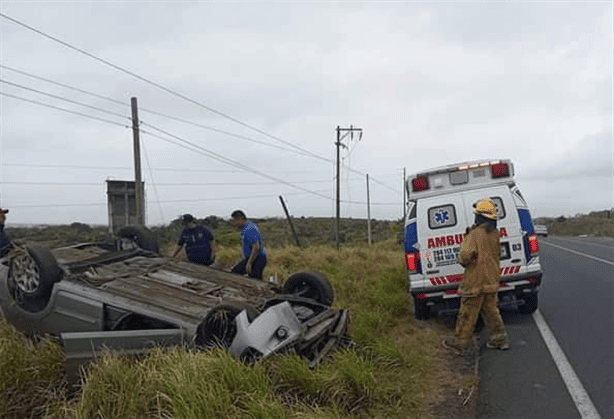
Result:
<point x="479" y="254"/>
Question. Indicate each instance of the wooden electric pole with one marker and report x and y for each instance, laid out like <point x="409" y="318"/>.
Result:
<point x="338" y="143"/>
<point x="283" y="204"/>
<point x="368" y="211"/>
<point x="138" y="184"/>
<point x="404" y="197"/>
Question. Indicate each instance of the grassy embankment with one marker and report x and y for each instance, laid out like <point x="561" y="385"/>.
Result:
<point x="387" y="374"/>
<point x="595" y="224"/>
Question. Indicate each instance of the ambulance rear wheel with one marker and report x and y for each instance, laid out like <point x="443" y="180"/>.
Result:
<point x="421" y="310"/>
<point x="530" y="303"/>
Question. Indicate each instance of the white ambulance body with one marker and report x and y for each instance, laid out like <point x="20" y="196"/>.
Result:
<point x="440" y="209"/>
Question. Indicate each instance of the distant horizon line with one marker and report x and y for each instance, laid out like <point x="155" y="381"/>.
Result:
<point x="28" y="225"/>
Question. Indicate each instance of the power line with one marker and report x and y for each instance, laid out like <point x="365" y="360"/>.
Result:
<point x="155" y="112"/>
<point x="158" y="169"/>
<point x="223" y="159"/>
<point x="229" y="198"/>
<point x="153" y="182"/>
<point x="63" y="98"/>
<point x="159" y="86"/>
<point x="193" y="147"/>
<point x="180" y="95"/>
<point x="160" y="184"/>
<point x="62" y="109"/>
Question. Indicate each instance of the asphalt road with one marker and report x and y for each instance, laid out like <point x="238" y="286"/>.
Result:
<point x="575" y="301"/>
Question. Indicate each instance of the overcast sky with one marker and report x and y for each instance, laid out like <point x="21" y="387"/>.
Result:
<point x="264" y="85"/>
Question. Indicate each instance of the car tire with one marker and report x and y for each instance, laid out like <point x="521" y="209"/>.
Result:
<point x="530" y="303"/>
<point x="143" y="237"/>
<point x="31" y="277"/>
<point x="310" y="285"/>
<point x="218" y="328"/>
<point x="421" y="310"/>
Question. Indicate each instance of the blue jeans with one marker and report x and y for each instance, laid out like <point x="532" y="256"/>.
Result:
<point x="257" y="267"/>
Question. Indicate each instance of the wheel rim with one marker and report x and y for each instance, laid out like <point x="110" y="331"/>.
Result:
<point x="25" y="274"/>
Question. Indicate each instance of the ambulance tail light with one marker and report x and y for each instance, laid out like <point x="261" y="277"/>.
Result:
<point x="533" y="244"/>
<point x="500" y="170"/>
<point x="420" y="184"/>
<point x="412" y="261"/>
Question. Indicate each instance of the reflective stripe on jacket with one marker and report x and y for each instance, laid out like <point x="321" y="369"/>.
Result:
<point x="479" y="254"/>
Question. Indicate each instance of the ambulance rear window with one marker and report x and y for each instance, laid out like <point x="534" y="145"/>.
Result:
<point x="500" y="208"/>
<point x="442" y="216"/>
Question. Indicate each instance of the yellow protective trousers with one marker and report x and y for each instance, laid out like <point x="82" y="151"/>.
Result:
<point x="471" y="306"/>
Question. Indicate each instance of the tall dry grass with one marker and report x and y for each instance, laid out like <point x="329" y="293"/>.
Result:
<point x="386" y="374"/>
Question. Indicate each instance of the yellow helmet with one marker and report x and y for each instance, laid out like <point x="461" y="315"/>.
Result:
<point x="486" y="208"/>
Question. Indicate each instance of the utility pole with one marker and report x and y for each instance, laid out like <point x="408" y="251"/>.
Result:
<point x="138" y="184"/>
<point x="347" y="131"/>
<point x="283" y="204"/>
<point x="404" y="197"/>
<point x="368" y="211"/>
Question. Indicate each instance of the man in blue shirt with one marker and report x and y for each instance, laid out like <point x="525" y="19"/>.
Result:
<point x="198" y="240"/>
<point x="5" y="243"/>
<point x="252" y="247"/>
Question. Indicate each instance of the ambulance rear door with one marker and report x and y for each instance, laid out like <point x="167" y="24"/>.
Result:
<point x="441" y="224"/>
<point x="508" y="223"/>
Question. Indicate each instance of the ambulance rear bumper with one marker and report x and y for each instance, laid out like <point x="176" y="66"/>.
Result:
<point x="514" y="285"/>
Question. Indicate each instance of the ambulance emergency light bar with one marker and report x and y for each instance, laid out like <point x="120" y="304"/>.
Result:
<point x="498" y="169"/>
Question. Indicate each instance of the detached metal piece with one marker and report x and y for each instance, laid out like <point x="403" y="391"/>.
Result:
<point x="275" y="328"/>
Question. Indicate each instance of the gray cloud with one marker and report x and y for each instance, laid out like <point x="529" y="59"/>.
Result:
<point x="430" y="84"/>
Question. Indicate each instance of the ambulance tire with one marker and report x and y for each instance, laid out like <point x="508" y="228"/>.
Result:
<point x="530" y="303"/>
<point x="421" y="310"/>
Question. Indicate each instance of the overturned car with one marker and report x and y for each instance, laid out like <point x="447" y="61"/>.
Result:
<point x="125" y="296"/>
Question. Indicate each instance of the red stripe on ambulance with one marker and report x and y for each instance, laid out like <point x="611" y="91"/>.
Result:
<point x="451" y="279"/>
<point x="455" y="239"/>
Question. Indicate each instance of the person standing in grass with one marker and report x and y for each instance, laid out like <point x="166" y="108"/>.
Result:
<point x="252" y="247"/>
<point x="479" y="254"/>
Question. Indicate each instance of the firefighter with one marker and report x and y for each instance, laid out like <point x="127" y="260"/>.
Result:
<point x="479" y="255"/>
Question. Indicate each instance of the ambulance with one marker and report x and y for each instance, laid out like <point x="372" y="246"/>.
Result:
<point x="439" y="211"/>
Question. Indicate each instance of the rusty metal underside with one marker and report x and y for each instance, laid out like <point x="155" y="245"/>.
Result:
<point x="181" y="287"/>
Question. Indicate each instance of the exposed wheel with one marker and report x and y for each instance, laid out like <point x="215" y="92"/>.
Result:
<point x="310" y="285"/>
<point x="219" y="328"/>
<point x="421" y="310"/>
<point x="530" y="303"/>
<point x="32" y="273"/>
<point x="141" y="236"/>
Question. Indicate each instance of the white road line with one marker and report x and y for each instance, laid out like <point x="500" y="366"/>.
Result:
<point x="580" y="253"/>
<point x="574" y="386"/>
<point x="582" y="241"/>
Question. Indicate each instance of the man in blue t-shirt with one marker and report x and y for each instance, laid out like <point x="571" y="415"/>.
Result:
<point x="198" y="240"/>
<point x="5" y="243"/>
<point x="252" y="247"/>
